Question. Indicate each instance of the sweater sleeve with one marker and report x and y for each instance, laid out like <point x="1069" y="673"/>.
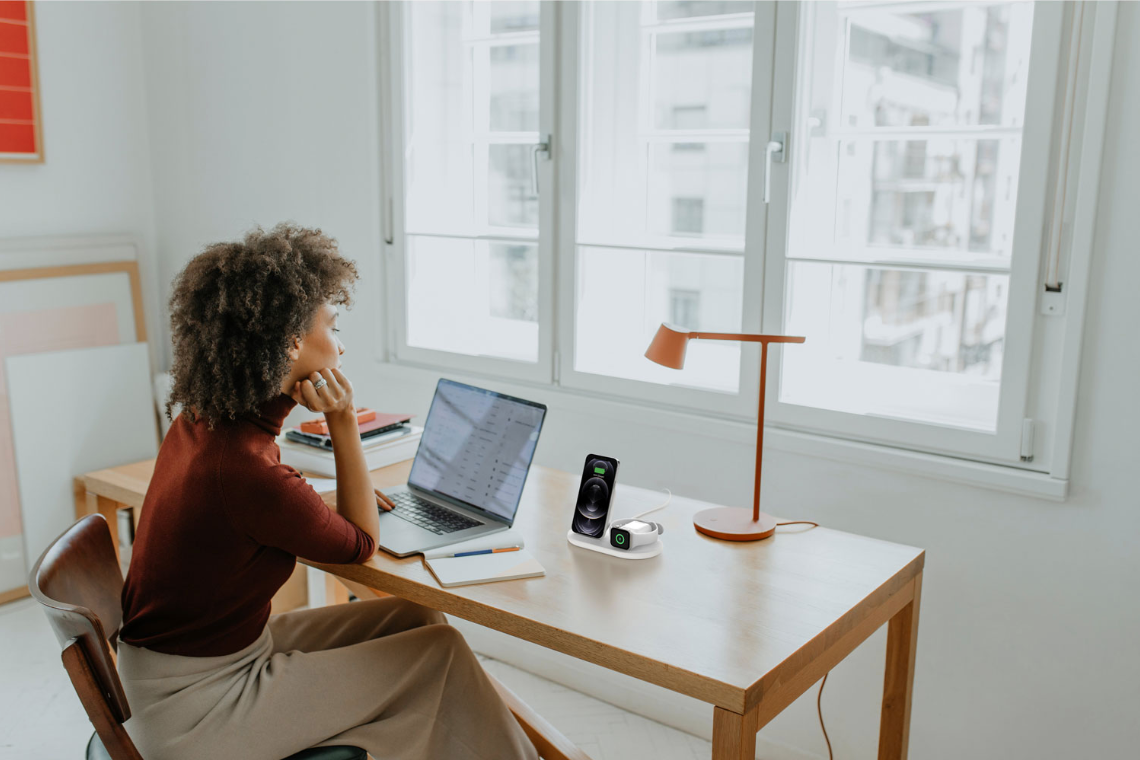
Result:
<point x="276" y="507"/>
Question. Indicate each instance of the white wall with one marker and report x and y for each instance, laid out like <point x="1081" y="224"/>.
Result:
<point x="1029" y="620"/>
<point x="96" y="177"/>
<point x="261" y="113"/>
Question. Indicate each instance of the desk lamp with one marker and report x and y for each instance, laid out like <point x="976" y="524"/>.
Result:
<point x="728" y="523"/>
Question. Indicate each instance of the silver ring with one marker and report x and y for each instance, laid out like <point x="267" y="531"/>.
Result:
<point x="320" y="384"/>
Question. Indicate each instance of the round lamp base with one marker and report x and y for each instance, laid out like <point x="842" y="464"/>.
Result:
<point x="734" y="524"/>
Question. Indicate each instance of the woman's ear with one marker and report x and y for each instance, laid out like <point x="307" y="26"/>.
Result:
<point x="295" y="348"/>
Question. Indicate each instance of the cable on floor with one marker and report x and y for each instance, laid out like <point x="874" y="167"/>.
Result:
<point x="819" y="709"/>
<point x="819" y="697"/>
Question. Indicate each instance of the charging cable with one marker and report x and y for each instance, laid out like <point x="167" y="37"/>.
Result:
<point x="662" y="505"/>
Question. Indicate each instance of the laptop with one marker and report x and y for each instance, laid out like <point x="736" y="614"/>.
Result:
<point x="469" y="471"/>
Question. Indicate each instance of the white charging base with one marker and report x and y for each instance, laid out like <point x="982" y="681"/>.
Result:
<point x="602" y="546"/>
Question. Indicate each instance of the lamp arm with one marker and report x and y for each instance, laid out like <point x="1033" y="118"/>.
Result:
<point x="748" y="337"/>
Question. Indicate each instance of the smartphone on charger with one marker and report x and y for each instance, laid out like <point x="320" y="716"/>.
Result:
<point x="595" y="494"/>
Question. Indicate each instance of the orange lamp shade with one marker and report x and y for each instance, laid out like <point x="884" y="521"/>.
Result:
<point x="668" y="346"/>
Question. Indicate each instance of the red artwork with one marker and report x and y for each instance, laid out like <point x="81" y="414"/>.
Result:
<point x="21" y="133"/>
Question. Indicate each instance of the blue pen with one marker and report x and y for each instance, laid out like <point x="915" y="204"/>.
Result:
<point x="487" y="551"/>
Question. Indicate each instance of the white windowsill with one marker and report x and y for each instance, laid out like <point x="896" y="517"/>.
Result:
<point x="1009" y="479"/>
<point x="997" y="477"/>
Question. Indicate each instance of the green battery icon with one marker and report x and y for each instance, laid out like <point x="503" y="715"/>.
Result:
<point x="600" y="470"/>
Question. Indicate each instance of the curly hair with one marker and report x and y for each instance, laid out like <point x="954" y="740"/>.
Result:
<point x="235" y="310"/>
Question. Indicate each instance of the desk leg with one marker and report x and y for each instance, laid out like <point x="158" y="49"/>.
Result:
<point x="96" y="504"/>
<point x="902" y="640"/>
<point x="734" y="735"/>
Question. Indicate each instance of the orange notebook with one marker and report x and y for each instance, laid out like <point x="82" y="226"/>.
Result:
<point x="366" y="418"/>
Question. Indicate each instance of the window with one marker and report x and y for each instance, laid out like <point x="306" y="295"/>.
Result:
<point x="902" y="237"/>
<point x="663" y="135"/>
<point x="470" y="76"/>
<point x="906" y="221"/>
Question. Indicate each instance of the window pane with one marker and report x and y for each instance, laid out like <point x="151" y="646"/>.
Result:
<point x="928" y="193"/>
<point x="698" y="189"/>
<point x="473" y="297"/>
<point x="623" y="296"/>
<point x="908" y="127"/>
<point x="514" y="88"/>
<point x="471" y="95"/>
<point x="462" y="87"/>
<point x="438" y="178"/>
<point x="702" y="79"/>
<point x="962" y="66"/>
<point x="674" y="9"/>
<point x="637" y="186"/>
<point x="439" y="171"/>
<point x="514" y="282"/>
<point x="510" y="16"/>
<point x="890" y="333"/>
<point x="435" y="63"/>
<point x="510" y="202"/>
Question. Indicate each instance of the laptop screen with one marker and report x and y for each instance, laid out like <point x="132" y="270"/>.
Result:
<point x="476" y="448"/>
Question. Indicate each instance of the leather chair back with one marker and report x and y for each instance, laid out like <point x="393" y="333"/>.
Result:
<point x="79" y="584"/>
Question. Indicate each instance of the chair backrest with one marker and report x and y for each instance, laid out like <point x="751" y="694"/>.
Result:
<point x="79" y="584"/>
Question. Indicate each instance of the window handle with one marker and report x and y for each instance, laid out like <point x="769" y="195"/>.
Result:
<point x="775" y="151"/>
<point x="386" y="219"/>
<point x="544" y="148"/>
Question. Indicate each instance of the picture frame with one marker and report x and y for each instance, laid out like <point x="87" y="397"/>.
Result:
<point x="21" y="120"/>
<point x="78" y="299"/>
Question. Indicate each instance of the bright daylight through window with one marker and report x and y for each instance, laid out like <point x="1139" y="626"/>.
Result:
<point x="471" y="97"/>
<point x="664" y="97"/>
<point x="905" y="163"/>
<point x="898" y="238"/>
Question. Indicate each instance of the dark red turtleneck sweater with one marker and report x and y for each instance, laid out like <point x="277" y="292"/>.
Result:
<point x="222" y="526"/>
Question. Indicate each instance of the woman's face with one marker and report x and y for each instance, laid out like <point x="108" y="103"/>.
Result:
<point x="318" y="349"/>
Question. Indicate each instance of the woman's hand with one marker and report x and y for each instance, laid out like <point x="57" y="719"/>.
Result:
<point x="383" y="501"/>
<point x="356" y="498"/>
<point x="332" y="397"/>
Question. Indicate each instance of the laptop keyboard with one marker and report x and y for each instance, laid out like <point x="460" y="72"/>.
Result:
<point x="429" y="516"/>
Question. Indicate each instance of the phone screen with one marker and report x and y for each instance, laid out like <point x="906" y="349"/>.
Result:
<point x="591" y="513"/>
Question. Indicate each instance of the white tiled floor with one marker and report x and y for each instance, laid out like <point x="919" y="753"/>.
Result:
<point x="41" y="718"/>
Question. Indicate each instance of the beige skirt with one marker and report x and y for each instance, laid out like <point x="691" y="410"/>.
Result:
<point x="385" y="675"/>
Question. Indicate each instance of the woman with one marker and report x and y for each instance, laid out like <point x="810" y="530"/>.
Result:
<point x="207" y="671"/>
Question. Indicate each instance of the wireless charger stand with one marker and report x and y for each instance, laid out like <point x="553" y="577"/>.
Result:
<point x="602" y="545"/>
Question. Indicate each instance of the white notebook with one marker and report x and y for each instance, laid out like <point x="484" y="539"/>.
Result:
<point x="484" y="568"/>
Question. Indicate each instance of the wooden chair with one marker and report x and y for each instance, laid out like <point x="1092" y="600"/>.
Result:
<point x="79" y="584"/>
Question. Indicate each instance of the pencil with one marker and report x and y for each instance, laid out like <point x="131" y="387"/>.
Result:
<point x="486" y="551"/>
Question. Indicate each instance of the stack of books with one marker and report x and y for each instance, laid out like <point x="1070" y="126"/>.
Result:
<point x="387" y="439"/>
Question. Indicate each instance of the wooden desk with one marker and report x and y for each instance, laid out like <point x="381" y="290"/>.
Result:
<point x="746" y="627"/>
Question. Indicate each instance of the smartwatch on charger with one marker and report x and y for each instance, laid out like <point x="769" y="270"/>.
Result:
<point x="632" y="534"/>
